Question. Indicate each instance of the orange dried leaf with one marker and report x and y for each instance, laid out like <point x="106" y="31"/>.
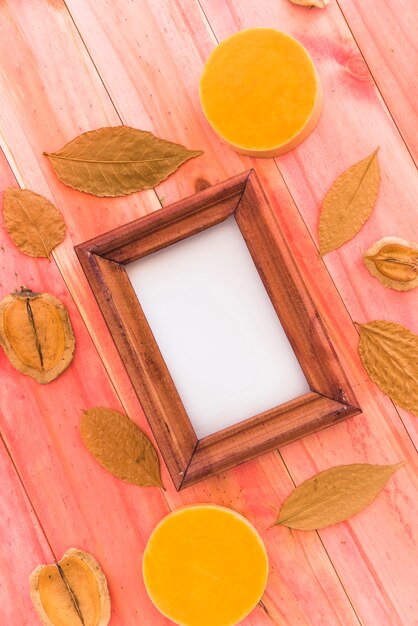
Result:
<point x="334" y="495"/>
<point x="117" y="161"/>
<point x="32" y="221"/>
<point x="120" y="447"/>
<point x="389" y="353"/>
<point x="348" y="204"/>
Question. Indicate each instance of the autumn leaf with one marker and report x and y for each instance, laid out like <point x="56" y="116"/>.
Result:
<point x="117" y="161"/>
<point x="334" y="495"/>
<point x="348" y="204"/>
<point x="32" y="221"/>
<point x="394" y="262"/>
<point x="389" y="353"/>
<point x="120" y="447"/>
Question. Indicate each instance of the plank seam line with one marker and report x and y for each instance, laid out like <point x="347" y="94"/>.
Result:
<point x="291" y="195"/>
<point x="207" y="21"/>
<point x="11" y="161"/>
<point x="360" y="621"/>
<point x="293" y="199"/>
<point x="336" y="288"/>
<point x="364" y="59"/>
<point x="278" y="451"/>
<point x="386" y="106"/>
<point x="108" y="375"/>
<point x="100" y="78"/>
<point x="25" y="491"/>
<point x="106" y="372"/>
<point x="92" y="60"/>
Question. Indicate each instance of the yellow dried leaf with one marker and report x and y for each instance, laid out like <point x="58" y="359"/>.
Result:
<point x="36" y="334"/>
<point x="118" y="160"/>
<point x="72" y="592"/>
<point x="394" y="262"/>
<point x="320" y="4"/>
<point x="334" y="495"/>
<point x="32" y="221"/>
<point x="389" y="353"/>
<point x="120" y="447"/>
<point x="348" y="204"/>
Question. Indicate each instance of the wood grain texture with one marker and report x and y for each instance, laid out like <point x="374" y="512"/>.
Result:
<point x="143" y="360"/>
<point x="264" y="432"/>
<point x="332" y="399"/>
<point x="387" y="42"/>
<point x="78" y="503"/>
<point x="354" y="113"/>
<point x="170" y="224"/>
<point x="42" y="53"/>
<point x="289" y="295"/>
<point x="22" y="548"/>
<point x="149" y="56"/>
<point x="24" y="145"/>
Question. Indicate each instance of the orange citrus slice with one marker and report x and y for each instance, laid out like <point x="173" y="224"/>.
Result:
<point x="205" y="565"/>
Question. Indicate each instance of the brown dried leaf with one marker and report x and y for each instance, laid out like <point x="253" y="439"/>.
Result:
<point x="334" y="495"/>
<point x="389" y="353"/>
<point x="116" y="161"/>
<point x="394" y="262"/>
<point x="120" y="447"/>
<point x="36" y="334"/>
<point x="348" y="204"/>
<point x="320" y="4"/>
<point x="32" y="221"/>
<point x="73" y="591"/>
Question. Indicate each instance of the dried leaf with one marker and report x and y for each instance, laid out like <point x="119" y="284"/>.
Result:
<point x="389" y="353"/>
<point x="334" y="495"/>
<point x="36" y="334"/>
<point x="120" y="447"/>
<point x="32" y="221"/>
<point x="394" y="262"/>
<point x="320" y="4"/>
<point x="348" y="204"/>
<point x="117" y="161"/>
<point x="73" y="591"/>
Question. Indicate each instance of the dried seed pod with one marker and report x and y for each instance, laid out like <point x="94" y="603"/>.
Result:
<point x="394" y="262"/>
<point x="71" y="592"/>
<point x="320" y="4"/>
<point x="36" y="334"/>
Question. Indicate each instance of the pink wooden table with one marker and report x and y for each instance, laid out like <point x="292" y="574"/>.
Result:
<point x="68" y="67"/>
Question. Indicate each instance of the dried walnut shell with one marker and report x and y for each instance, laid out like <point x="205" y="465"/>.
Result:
<point x="72" y="592"/>
<point x="36" y="334"/>
<point x="394" y="262"/>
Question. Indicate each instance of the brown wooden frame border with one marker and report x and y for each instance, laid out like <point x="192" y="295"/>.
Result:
<point x="188" y="459"/>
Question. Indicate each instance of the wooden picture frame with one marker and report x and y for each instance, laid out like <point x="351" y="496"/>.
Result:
<point x="188" y="459"/>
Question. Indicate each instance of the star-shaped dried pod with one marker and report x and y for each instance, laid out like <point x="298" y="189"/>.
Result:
<point x="71" y="592"/>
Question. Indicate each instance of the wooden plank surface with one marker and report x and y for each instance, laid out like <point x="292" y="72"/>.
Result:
<point x="22" y="548"/>
<point x="77" y="502"/>
<point x="386" y="37"/>
<point x="25" y="145"/>
<point x="146" y="58"/>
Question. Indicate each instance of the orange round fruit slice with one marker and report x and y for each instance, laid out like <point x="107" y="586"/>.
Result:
<point x="205" y="565"/>
<point x="260" y="92"/>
